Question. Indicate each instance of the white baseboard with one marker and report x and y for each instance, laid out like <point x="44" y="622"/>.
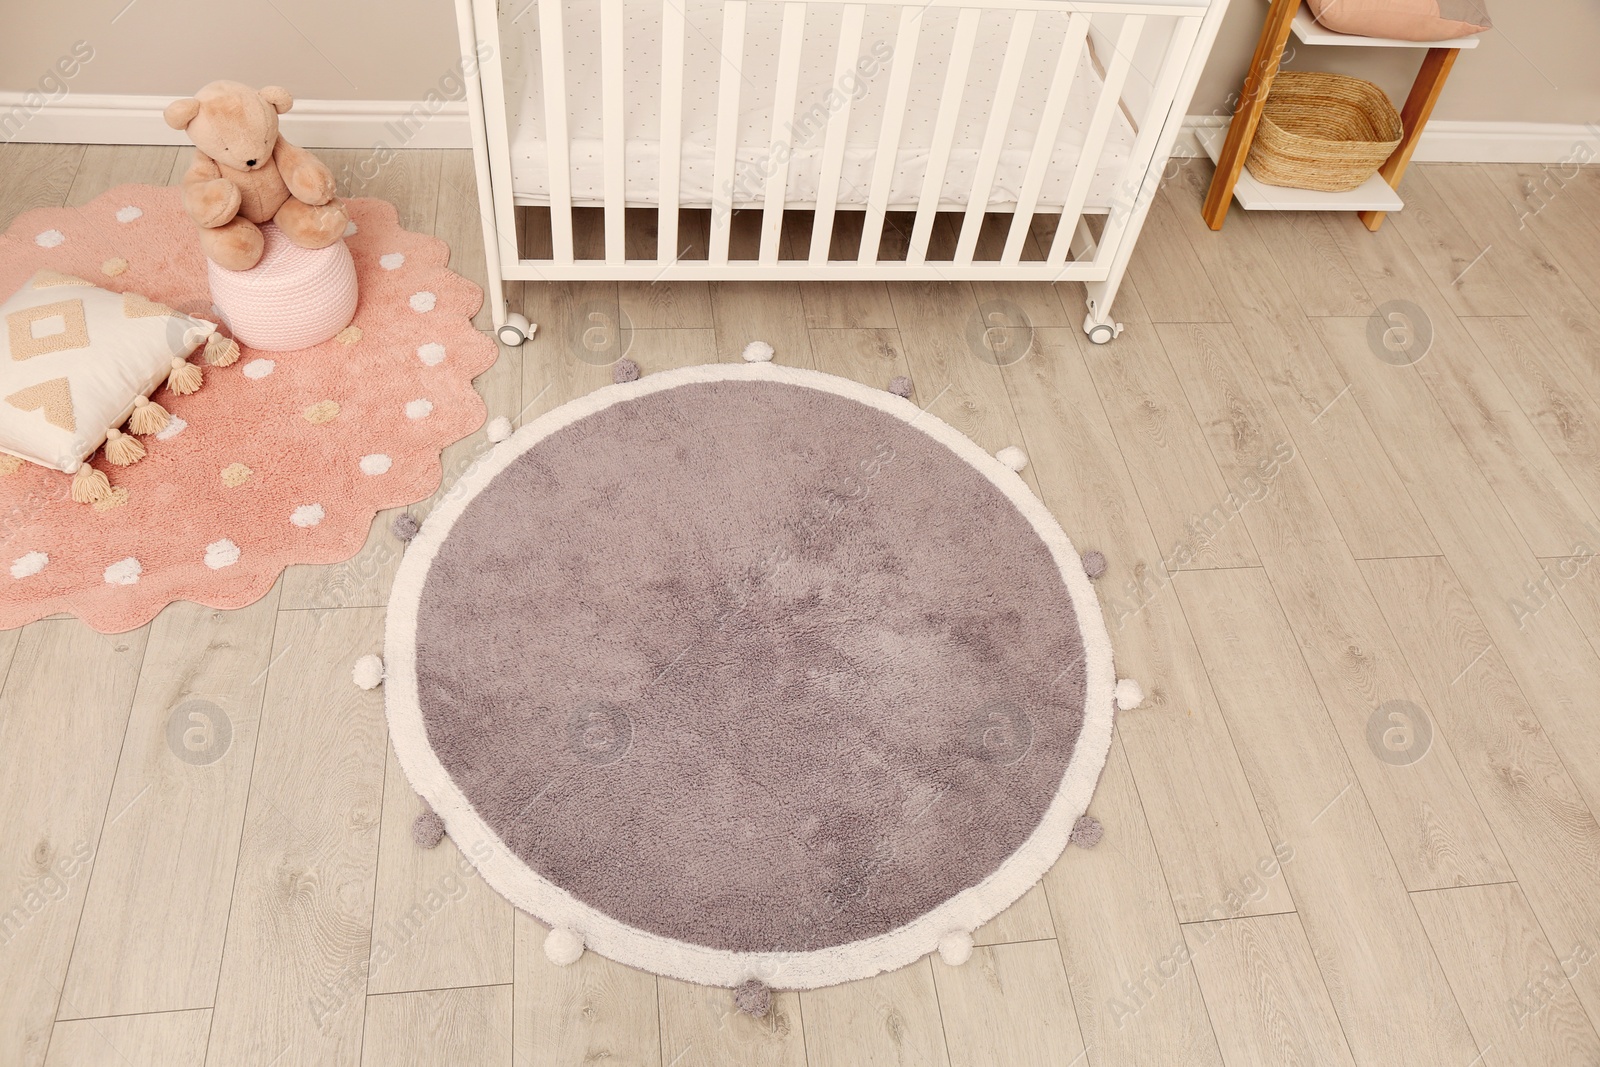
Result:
<point x="116" y="119"/>
<point x="1458" y="141"/>
<point x="82" y="118"/>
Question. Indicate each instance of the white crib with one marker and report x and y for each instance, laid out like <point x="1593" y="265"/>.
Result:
<point x="821" y="140"/>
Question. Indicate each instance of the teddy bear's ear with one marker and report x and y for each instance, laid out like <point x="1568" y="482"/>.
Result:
<point x="180" y="113"/>
<point x="278" y="97"/>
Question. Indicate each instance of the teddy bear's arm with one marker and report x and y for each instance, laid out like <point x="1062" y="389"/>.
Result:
<point x="210" y="199"/>
<point x="308" y="178"/>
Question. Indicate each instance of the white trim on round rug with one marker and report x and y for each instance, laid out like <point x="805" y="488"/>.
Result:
<point x="510" y="876"/>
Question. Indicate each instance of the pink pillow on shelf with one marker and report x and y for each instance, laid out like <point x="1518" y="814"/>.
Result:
<point x="1403" y="20"/>
<point x="294" y="298"/>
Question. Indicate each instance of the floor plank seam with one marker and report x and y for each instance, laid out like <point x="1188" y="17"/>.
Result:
<point x="438" y="989"/>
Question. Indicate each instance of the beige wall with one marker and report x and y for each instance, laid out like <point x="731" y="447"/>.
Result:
<point x="332" y="49"/>
<point x="1540" y="65"/>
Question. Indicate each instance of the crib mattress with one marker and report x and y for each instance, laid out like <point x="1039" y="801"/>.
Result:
<point x="805" y="132"/>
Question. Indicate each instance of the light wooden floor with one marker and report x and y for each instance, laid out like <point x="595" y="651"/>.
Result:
<point x="1281" y="881"/>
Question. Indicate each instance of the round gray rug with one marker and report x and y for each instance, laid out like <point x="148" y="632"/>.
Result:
<point x="745" y="672"/>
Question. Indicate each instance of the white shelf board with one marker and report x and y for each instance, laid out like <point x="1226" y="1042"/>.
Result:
<point x="1373" y="195"/>
<point x="1310" y="31"/>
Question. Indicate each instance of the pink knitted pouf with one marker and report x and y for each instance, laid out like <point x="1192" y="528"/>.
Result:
<point x="294" y="298"/>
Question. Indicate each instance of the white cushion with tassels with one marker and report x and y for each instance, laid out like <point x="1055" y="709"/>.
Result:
<point x="76" y="361"/>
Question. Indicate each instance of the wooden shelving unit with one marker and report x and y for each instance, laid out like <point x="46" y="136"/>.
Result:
<point x="1228" y="147"/>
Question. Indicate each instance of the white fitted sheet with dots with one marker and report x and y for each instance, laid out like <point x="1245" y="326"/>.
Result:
<point x="804" y="140"/>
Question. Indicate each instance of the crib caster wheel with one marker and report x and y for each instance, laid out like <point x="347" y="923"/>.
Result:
<point x="1101" y="332"/>
<point x="516" y="330"/>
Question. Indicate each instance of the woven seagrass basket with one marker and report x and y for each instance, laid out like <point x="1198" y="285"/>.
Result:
<point x="1323" y="131"/>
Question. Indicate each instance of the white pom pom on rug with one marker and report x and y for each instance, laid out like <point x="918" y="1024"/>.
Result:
<point x="368" y="672"/>
<point x="563" y="946"/>
<point x="955" y="948"/>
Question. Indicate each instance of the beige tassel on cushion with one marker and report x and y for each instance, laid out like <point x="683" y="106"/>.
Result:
<point x="221" y="351"/>
<point x="122" y="448"/>
<point x="90" y="486"/>
<point x="148" y="417"/>
<point x="185" y="378"/>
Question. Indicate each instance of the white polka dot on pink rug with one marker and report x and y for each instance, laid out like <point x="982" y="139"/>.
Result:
<point x="423" y="302"/>
<point x="308" y="515"/>
<point x="124" y="572"/>
<point x="375" y="464"/>
<point x="129" y="213"/>
<point x="220" y="554"/>
<point x="175" y="426"/>
<point x="257" y="369"/>
<point x="391" y="261"/>
<point x="49" y="238"/>
<point x="431" y="354"/>
<point x="419" y="409"/>
<point x="350" y="228"/>
<point x="26" y="566"/>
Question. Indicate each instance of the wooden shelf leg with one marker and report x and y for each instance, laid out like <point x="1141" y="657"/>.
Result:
<point x="1247" y="115"/>
<point x="1414" y="117"/>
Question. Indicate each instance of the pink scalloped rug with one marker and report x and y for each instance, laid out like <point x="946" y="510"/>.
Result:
<point x="282" y="458"/>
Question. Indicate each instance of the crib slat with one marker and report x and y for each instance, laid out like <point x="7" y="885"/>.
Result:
<point x="487" y="109"/>
<point x="794" y="35"/>
<point x="994" y="138"/>
<point x="1094" y="139"/>
<point x="612" y="119"/>
<point x="1138" y="184"/>
<point x="1044" y="144"/>
<point x="844" y="79"/>
<point x="485" y="159"/>
<point x="671" y="132"/>
<point x="944" y="132"/>
<point x="902" y="64"/>
<point x="553" y="60"/>
<point x="733" y="15"/>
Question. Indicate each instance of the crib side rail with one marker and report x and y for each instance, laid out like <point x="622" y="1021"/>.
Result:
<point x="1077" y="249"/>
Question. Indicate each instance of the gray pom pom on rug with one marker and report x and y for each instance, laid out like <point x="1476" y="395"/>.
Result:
<point x="405" y="526"/>
<point x="428" y="830"/>
<point x="1087" y="831"/>
<point x="754" y="999"/>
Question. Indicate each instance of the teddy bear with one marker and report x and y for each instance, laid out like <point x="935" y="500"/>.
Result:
<point x="244" y="175"/>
